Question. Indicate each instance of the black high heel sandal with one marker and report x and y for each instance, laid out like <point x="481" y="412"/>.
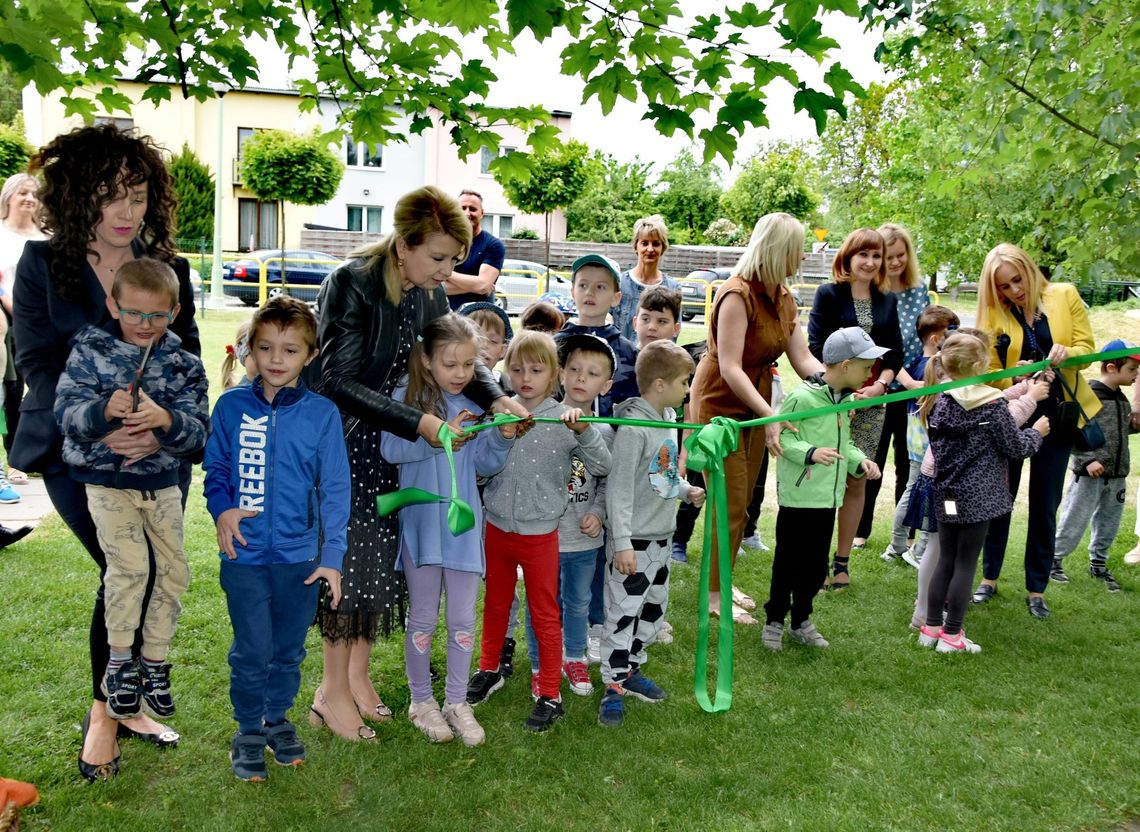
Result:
<point x="163" y="739"/>
<point x="839" y="567"/>
<point x="103" y="771"/>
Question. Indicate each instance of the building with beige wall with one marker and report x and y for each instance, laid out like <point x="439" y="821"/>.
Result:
<point x="375" y="177"/>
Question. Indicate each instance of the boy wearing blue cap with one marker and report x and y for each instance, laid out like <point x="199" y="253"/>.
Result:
<point x="1098" y="489"/>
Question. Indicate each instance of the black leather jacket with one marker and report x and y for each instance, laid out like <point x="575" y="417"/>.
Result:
<point x="359" y="337"/>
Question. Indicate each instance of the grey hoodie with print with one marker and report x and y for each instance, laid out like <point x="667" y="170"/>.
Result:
<point x="529" y="495"/>
<point x="644" y="482"/>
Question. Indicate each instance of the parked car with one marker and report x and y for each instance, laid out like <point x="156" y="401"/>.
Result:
<point x="693" y="288"/>
<point x="304" y="271"/>
<point x="695" y="285"/>
<point x="522" y="282"/>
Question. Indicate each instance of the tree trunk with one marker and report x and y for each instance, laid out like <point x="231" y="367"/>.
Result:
<point x="546" y="262"/>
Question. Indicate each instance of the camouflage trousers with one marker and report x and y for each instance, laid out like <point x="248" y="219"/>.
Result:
<point x="126" y="521"/>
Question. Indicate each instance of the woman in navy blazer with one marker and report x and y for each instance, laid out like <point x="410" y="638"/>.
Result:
<point x="860" y="296"/>
<point x="107" y="199"/>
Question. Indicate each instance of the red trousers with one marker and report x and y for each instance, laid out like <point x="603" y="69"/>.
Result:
<point x="538" y="556"/>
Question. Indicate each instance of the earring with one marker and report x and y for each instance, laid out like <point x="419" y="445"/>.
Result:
<point x="400" y="263"/>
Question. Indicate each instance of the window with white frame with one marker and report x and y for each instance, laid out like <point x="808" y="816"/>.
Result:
<point x="500" y="225"/>
<point x="362" y="155"/>
<point x="123" y="124"/>
<point x="487" y="156"/>
<point x="364" y="218"/>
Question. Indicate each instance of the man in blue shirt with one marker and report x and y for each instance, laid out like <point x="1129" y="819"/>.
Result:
<point x="474" y="278"/>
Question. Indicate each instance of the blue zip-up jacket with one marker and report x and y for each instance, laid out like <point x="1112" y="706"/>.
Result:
<point x="287" y="461"/>
<point x="625" y="379"/>
<point x="100" y="363"/>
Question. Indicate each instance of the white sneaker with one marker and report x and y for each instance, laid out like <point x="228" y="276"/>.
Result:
<point x="753" y="541"/>
<point x="929" y="636"/>
<point x="809" y="635"/>
<point x="957" y="644"/>
<point x="461" y="719"/>
<point x="426" y="717"/>
<point x="594" y="644"/>
<point x="911" y="559"/>
<point x="1133" y="557"/>
<point x="890" y="554"/>
<point x="665" y="633"/>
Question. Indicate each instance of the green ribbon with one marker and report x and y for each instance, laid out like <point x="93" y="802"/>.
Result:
<point x="460" y="515"/>
<point x="707" y="447"/>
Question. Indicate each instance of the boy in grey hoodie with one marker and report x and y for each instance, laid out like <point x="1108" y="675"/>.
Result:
<point x="641" y="496"/>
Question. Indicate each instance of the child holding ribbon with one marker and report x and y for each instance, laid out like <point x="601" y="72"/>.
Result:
<point x="524" y="504"/>
<point x="433" y="559"/>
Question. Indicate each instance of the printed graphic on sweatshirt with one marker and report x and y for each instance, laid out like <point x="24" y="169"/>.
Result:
<point x="664" y="474"/>
<point x="252" y="440"/>
<point x="577" y="490"/>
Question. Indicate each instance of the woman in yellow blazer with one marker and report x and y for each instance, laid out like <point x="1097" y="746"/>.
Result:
<point x="1030" y="319"/>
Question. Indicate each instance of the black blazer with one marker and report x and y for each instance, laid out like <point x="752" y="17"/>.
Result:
<point x="43" y="325"/>
<point x="359" y="336"/>
<point x="833" y="309"/>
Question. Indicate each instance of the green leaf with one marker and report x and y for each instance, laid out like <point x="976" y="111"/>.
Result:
<point x="515" y="166"/>
<point x="465" y="15"/>
<point x="542" y="137"/>
<point x="607" y="86"/>
<point x="743" y="106"/>
<point x="841" y="81"/>
<point x="809" y="39"/>
<point x="669" y="120"/>
<point x="749" y="16"/>
<point x="718" y="143"/>
<point x="540" y="16"/>
<point x="817" y="105"/>
<point x="800" y="14"/>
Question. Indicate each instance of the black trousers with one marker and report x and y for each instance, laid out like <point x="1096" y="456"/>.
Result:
<point x="894" y="430"/>
<point x="960" y="544"/>
<point x="799" y="567"/>
<point x="69" y="498"/>
<point x="1047" y="474"/>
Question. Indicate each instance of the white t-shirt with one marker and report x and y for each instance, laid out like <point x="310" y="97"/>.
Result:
<point x="11" y="248"/>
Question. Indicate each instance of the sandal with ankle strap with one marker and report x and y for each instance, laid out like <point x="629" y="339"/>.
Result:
<point x="838" y="569"/>
<point x="317" y="718"/>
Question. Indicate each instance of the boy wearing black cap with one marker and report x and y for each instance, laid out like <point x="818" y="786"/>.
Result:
<point x="596" y="290"/>
<point x="810" y="484"/>
<point x="495" y="325"/>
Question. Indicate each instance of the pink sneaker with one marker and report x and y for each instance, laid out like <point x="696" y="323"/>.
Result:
<point x="928" y="636"/>
<point x="578" y="675"/>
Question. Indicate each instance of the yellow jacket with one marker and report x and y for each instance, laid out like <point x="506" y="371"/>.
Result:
<point x="1069" y="325"/>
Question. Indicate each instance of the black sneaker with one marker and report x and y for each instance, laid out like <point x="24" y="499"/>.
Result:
<point x="482" y="685"/>
<point x="283" y="742"/>
<point x="546" y="712"/>
<point x="1057" y="573"/>
<point x="156" y="689"/>
<point x="507" y="658"/>
<point x="1102" y="574"/>
<point x="124" y="690"/>
<point x="247" y="756"/>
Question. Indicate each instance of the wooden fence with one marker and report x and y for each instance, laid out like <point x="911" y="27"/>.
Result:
<point x="678" y="261"/>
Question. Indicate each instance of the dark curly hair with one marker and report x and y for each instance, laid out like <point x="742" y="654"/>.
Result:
<point x="81" y="172"/>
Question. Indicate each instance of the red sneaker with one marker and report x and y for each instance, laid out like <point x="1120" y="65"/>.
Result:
<point x="578" y="675"/>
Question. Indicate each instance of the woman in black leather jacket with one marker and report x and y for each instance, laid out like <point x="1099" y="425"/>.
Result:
<point x="372" y="311"/>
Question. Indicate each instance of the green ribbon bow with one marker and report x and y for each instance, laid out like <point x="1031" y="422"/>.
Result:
<point x="707" y="449"/>
<point x="460" y="515"/>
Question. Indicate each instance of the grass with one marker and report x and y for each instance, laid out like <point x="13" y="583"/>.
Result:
<point x="1039" y="731"/>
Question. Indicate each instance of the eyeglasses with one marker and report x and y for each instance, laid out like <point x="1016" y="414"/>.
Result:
<point x="134" y="317"/>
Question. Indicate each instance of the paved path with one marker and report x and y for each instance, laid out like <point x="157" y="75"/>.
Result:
<point x="34" y="506"/>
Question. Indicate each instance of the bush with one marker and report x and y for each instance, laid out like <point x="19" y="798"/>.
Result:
<point x="14" y="151"/>
<point x="194" y="217"/>
<point x="723" y="232"/>
<point x="524" y="234"/>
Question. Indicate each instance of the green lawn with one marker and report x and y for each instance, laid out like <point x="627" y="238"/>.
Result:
<point x="1038" y="732"/>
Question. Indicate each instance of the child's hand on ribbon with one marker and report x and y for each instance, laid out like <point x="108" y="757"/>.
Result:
<point x="331" y="576"/>
<point x="571" y="419"/>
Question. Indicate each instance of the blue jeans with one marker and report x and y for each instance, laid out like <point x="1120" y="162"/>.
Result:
<point x="575" y="577"/>
<point x="271" y="610"/>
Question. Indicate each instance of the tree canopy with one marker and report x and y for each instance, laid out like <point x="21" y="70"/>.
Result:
<point x="778" y="178"/>
<point x="689" y="198"/>
<point x="616" y="195"/>
<point x="194" y="217"/>
<point x="703" y="76"/>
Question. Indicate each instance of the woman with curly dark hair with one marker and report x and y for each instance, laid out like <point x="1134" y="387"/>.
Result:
<point x="107" y="199"/>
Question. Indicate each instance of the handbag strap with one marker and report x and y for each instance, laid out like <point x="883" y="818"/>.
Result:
<point x="1030" y="335"/>
<point x="1072" y="393"/>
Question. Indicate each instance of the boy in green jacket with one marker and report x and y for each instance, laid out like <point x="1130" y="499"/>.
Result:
<point x="810" y="483"/>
